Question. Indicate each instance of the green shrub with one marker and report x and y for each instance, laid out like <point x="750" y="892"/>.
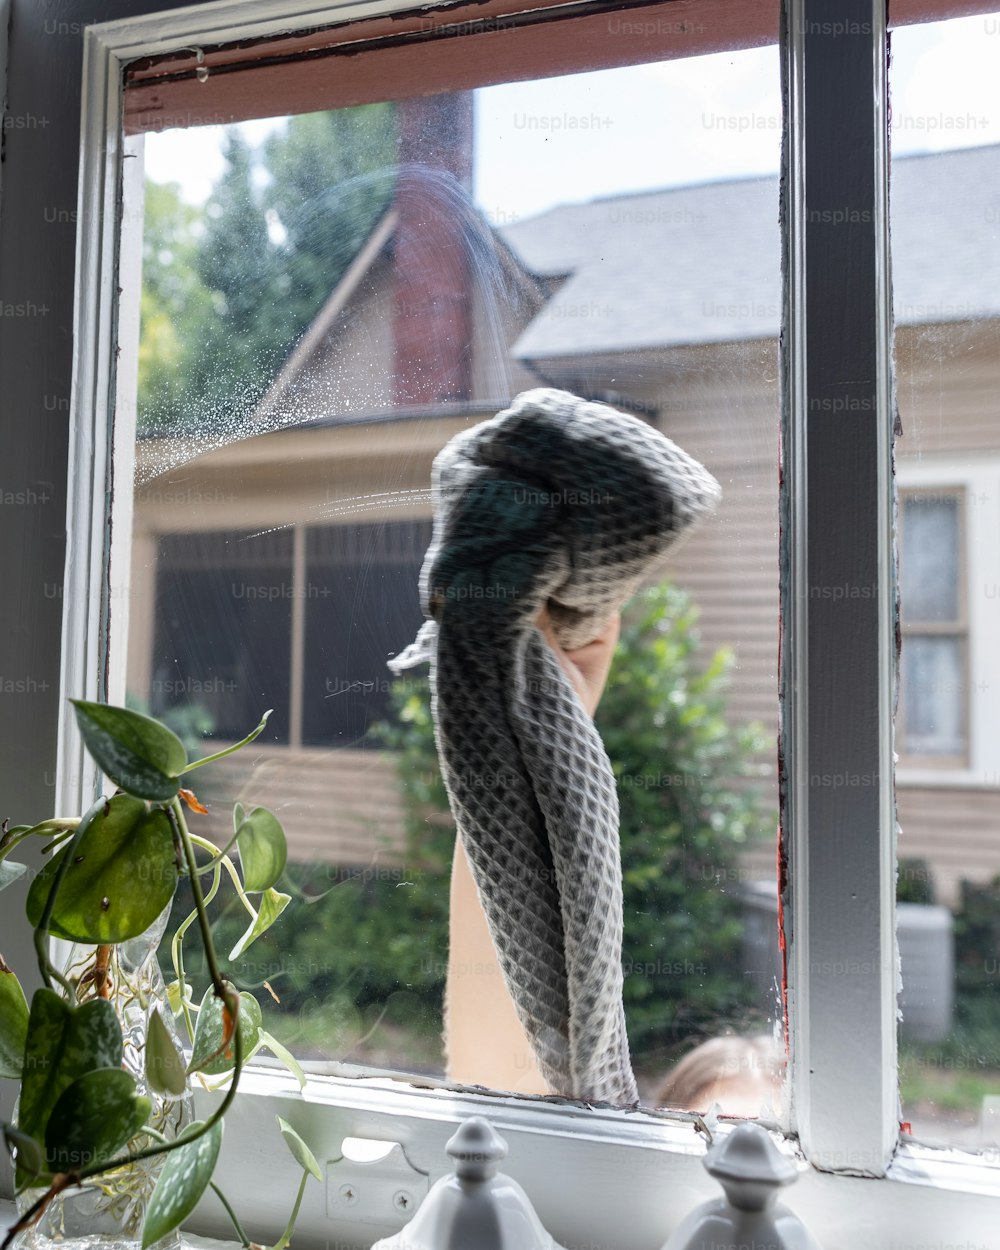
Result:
<point x="914" y="881"/>
<point x="689" y="787"/>
<point x="977" y="941"/>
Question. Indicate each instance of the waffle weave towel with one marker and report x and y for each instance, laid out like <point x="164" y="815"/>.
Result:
<point x="570" y="504"/>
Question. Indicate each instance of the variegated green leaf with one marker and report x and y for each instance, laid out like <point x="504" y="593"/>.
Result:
<point x="272" y="904"/>
<point x="304" y="1157"/>
<point x="208" y="1054"/>
<point x="164" y="1065"/>
<point x="184" y="1179"/>
<point x="93" y="1119"/>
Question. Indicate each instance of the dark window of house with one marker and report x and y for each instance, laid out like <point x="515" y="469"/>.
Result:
<point x="224" y="628"/>
<point x="362" y="606"/>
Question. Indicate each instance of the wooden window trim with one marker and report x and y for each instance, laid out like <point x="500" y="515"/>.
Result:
<point x="350" y="62"/>
<point x="411" y="54"/>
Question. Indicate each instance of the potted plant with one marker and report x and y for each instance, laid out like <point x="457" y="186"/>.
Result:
<point x="105" y="1144"/>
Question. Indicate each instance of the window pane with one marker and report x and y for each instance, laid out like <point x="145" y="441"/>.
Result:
<point x="929" y="559"/>
<point x="222" y="630"/>
<point x="932" y="675"/>
<point x="351" y="291"/>
<point x="363" y="599"/>
<point x="946" y="279"/>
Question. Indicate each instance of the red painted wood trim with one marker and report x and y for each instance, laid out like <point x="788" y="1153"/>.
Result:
<point x="456" y="48"/>
<point x="501" y="41"/>
<point x="911" y="12"/>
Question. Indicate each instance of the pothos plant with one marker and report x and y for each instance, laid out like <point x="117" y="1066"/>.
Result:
<point x="84" y="1118"/>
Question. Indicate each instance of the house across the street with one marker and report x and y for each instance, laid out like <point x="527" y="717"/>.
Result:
<point x="300" y="559"/>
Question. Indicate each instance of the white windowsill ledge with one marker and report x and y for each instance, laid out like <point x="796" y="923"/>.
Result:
<point x="567" y="1163"/>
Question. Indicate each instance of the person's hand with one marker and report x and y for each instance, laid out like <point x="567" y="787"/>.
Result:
<point x="586" y="667"/>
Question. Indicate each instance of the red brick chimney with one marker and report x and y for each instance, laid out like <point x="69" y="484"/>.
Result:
<point x="432" y="314"/>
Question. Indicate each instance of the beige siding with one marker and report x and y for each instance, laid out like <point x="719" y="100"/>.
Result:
<point x="351" y="370"/>
<point x="947" y="380"/>
<point x="337" y="807"/>
<point x="956" y="830"/>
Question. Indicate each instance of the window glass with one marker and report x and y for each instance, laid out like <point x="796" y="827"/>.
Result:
<point x="362" y="600"/>
<point x="932" y="674"/>
<point x="934" y="703"/>
<point x="222" y="629"/>
<point x="930" y="562"/>
<point x="342" y="295"/>
<point x="945" y="223"/>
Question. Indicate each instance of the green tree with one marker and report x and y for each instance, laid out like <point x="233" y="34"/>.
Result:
<point x="257" y="263"/>
<point x="174" y="300"/>
<point x="331" y="176"/>
<point x="239" y="348"/>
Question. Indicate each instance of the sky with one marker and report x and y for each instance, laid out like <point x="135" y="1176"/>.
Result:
<point x="563" y="140"/>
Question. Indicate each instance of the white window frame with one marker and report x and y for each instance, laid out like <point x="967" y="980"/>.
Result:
<point x="978" y="481"/>
<point x="606" y="1178"/>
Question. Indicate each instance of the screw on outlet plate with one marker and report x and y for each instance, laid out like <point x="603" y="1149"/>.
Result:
<point x="402" y="1201"/>
<point x="349" y="1194"/>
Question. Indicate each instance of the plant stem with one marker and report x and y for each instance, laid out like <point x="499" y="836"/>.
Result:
<point x="286" y="1236"/>
<point x="217" y="855"/>
<point x="48" y="970"/>
<point x="177" y="952"/>
<point x="223" y="859"/>
<point x="240" y="1231"/>
<point x="221" y="989"/>
<point x="210" y="759"/>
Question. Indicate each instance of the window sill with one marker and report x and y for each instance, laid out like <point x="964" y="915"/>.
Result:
<point x="571" y="1165"/>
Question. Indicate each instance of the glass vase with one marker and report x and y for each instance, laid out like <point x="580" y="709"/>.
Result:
<point x="107" y="1212"/>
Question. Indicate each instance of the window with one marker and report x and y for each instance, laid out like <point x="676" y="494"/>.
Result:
<point x="934" y="702"/>
<point x="226" y="637"/>
<point x="407" y="282"/>
<point x="838" y="678"/>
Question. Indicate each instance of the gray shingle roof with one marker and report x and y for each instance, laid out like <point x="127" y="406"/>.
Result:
<point x="701" y="264"/>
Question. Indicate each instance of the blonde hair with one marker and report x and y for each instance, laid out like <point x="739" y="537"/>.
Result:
<point x="747" y="1060"/>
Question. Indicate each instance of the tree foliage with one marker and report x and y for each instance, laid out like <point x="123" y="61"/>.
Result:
<point x="174" y="303"/>
<point x="229" y="289"/>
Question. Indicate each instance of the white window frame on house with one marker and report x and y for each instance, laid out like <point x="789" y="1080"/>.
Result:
<point x="603" y="1177"/>
<point x="976" y="482"/>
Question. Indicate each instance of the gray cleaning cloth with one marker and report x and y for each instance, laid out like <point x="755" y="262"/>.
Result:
<point x="560" y="502"/>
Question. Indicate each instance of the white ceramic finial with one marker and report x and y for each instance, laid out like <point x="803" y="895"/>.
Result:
<point x="477" y="1207"/>
<point x="477" y="1150"/>
<point x="751" y="1170"/>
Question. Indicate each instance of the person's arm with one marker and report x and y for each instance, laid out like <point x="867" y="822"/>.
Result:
<point x="485" y="1043"/>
